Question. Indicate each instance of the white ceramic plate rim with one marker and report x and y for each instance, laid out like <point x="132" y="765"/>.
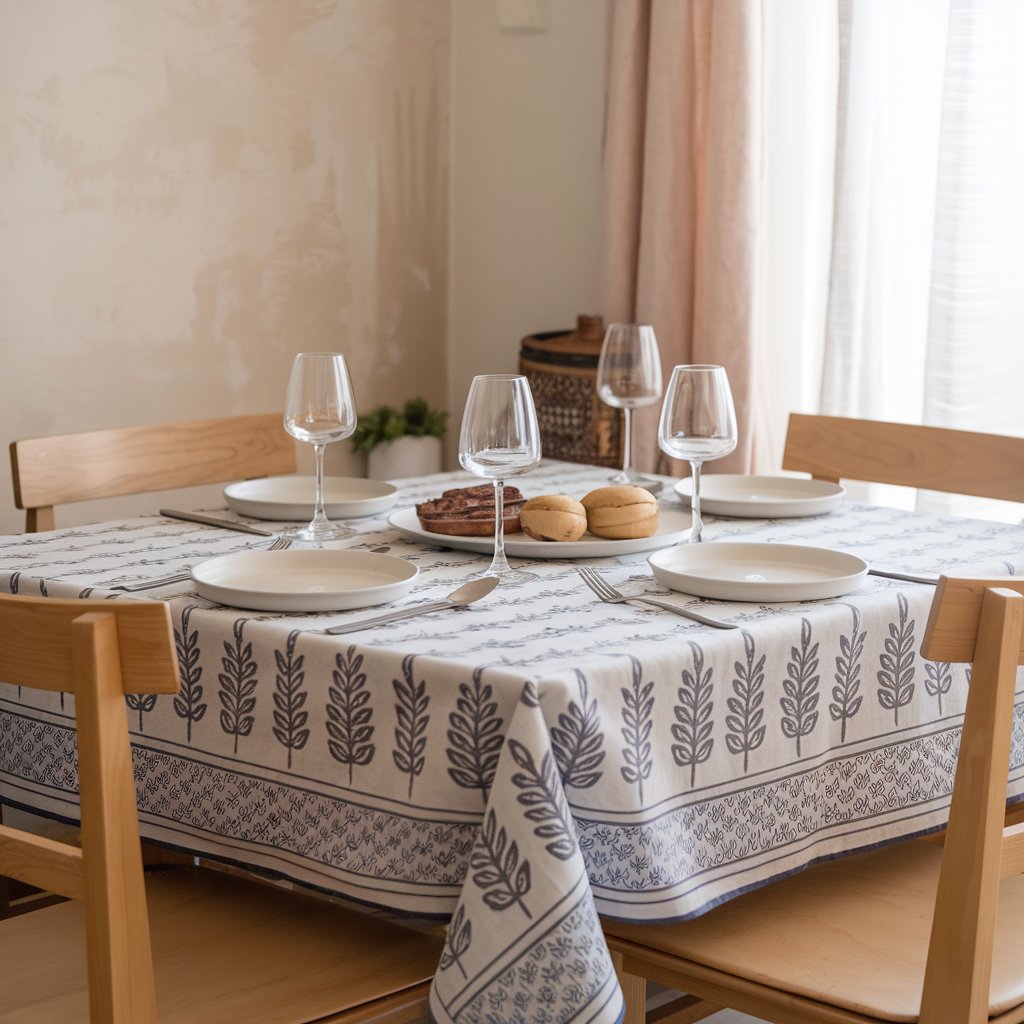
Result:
<point x="734" y="494"/>
<point x="279" y="580"/>
<point x="282" y="498"/>
<point x="674" y="526"/>
<point x="691" y="570"/>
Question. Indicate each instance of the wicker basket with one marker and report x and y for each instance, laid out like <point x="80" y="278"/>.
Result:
<point x="561" y="367"/>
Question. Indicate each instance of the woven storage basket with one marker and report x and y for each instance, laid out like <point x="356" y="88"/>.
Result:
<point x="561" y="366"/>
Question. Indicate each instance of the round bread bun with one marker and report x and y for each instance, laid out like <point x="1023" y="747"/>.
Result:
<point x="622" y="512"/>
<point x="553" y="517"/>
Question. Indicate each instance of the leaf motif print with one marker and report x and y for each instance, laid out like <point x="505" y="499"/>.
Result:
<point x="541" y="792"/>
<point x="744" y="722"/>
<point x="14" y="582"/>
<point x="800" y="687"/>
<point x="289" y="697"/>
<point x="896" y="675"/>
<point x="349" y="713"/>
<point x="846" y="698"/>
<point x="577" y="740"/>
<point x="237" y="686"/>
<point x="637" y="709"/>
<point x="938" y="679"/>
<point x="475" y="736"/>
<point x="457" y="942"/>
<point x="693" y="710"/>
<point x="411" y="712"/>
<point x="496" y="868"/>
<point x="143" y="703"/>
<point x="188" y="702"/>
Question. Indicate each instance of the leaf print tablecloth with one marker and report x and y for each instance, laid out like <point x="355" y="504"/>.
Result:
<point x="537" y="759"/>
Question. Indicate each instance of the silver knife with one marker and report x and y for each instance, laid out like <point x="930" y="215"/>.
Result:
<point x="906" y="577"/>
<point x="227" y="524"/>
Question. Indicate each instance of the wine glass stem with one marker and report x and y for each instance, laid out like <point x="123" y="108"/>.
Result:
<point x="627" y="441"/>
<point x="698" y="524"/>
<point x="319" y="515"/>
<point x="499" y="563"/>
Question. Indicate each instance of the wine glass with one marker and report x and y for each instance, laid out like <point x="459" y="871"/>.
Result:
<point x="629" y="376"/>
<point x="320" y="408"/>
<point x="698" y="423"/>
<point x="500" y="438"/>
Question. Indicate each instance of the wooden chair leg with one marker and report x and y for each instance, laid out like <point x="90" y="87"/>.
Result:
<point x="634" y="993"/>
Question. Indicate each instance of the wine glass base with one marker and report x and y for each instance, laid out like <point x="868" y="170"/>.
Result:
<point x="319" y="534"/>
<point x="506" y="573"/>
<point x="636" y="480"/>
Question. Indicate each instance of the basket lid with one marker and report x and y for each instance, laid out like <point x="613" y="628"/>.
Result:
<point x="585" y="341"/>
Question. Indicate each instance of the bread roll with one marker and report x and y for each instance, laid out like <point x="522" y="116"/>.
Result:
<point x="553" y="517"/>
<point x="623" y="512"/>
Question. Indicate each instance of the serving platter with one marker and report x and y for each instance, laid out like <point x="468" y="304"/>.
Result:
<point x="753" y="571"/>
<point x="763" y="497"/>
<point x="674" y="526"/>
<point x="303" y="580"/>
<point x="290" y="498"/>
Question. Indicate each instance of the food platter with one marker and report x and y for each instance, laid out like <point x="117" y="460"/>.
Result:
<point x="674" y="527"/>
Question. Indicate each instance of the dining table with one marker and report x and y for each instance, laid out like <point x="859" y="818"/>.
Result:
<point x="524" y="766"/>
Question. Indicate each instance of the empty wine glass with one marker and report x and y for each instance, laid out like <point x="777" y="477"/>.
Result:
<point x="320" y="408"/>
<point x="500" y="438"/>
<point x="698" y="423"/>
<point x="629" y="376"/>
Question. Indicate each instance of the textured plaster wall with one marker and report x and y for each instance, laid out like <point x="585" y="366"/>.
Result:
<point x="191" y="191"/>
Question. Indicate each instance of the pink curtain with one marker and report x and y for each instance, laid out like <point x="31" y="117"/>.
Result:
<point x="683" y="189"/>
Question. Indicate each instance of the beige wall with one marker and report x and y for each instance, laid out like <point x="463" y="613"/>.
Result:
<point x="191" y="193"/>
<point x="527" y="132"/>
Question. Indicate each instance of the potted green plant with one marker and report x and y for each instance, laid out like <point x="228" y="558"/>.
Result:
<point x="401" y="443"/>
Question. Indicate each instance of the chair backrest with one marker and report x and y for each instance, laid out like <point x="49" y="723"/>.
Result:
<point x="979" y="621"/>
<point x="99" y="651"/>
<point x="65" y="468"/>
<point x="933" y="458"/>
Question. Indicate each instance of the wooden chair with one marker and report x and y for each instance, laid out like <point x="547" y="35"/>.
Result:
<point x="933" y="458"/>
<point x="173" y="944"/>
<point x="65" y="468"/>
<point x="910" y="932"/>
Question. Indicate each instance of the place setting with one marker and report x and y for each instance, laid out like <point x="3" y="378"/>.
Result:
<point x="298" y="573"/>
<point x="698" y="424"/>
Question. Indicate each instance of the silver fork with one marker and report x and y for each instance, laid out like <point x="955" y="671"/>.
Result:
<point x="606" y="592"/>
<point x="280" y="543"/>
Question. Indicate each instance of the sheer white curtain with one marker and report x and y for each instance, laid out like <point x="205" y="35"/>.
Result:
<point x="925" y="317"/>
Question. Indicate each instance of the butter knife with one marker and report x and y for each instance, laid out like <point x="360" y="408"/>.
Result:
<point x="227" y="524"/>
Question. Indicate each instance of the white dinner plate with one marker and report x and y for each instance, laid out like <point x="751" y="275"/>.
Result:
<point x="291" y="498"/>
<point x="304" y="580"/>
<point x="673" y="526"/>
<point x="763" y="497"/>
<point x="750" y="571"/>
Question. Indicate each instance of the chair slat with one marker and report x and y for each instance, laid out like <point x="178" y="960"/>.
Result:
<point x="951" y="633"/>
<point x="45" y="863"/>
<point x="36" y="648"/>
<point x="66" y="468"/>
<point x="908" y="455"/>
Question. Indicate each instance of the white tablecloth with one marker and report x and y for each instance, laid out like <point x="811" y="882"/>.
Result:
<point x="538" y="758"/>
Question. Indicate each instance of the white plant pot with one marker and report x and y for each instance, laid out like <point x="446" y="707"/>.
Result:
<point x="405" y="456"/>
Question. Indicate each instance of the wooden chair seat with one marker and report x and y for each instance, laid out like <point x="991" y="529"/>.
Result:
<point x="225" y="950"/>
<point x="850" y="933"/>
